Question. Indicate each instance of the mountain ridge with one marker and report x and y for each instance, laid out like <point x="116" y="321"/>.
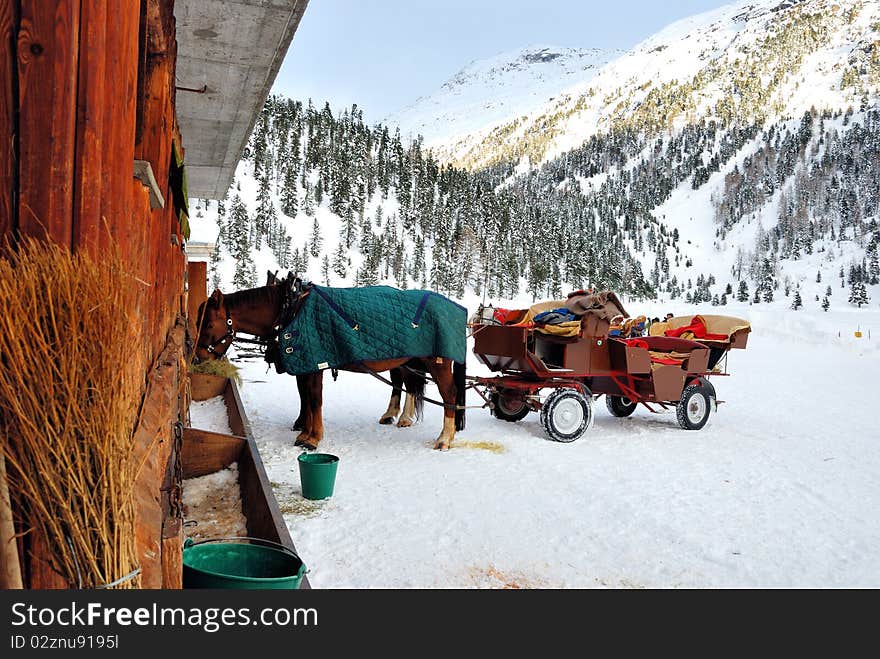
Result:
<point x="491" y="90"/>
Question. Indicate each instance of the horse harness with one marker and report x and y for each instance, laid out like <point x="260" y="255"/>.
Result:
<point x="230" y="332"/>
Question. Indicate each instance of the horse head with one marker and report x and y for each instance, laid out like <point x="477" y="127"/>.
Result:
<point x="215" y="328"/>
<point x="257" y="311"/>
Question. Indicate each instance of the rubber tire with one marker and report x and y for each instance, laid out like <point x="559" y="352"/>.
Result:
<point x="687" y="395"/>
<point x="618" y="408"/>
<point x="499" y="411"/>
<point x="550" y="407"/>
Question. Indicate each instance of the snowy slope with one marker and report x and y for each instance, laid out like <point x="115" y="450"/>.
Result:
<point x="490" y="91"/>
<point x="778" y="490"/>
<point x="796" y="54"/>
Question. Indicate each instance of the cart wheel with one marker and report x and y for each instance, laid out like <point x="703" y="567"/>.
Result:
<point x="566" y="415"/>
<point x="620" y="406"/>
<point x="508" y="408"/>
<point x="694" y="407"/>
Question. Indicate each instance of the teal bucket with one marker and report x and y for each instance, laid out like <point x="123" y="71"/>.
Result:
<point x="231" y="564"/>
<point x="317" y="474"/>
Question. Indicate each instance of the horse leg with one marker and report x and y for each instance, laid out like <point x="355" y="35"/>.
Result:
<point x="415" y="396"/>
<point x="393" y="410"/>
<point x="300" y="422"/>
<point x="313" y="429"/>
<point x="441" y="371"/>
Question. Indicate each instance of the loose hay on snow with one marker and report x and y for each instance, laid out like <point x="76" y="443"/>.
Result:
<point x="492" y="447"/>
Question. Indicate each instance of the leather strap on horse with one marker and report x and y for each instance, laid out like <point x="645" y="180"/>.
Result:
<point x="448" y="406"/>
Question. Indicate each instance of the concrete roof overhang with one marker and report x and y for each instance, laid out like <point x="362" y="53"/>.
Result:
<point x="228" y="54"/>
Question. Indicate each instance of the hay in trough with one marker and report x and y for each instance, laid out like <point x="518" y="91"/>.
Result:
<point x="220" y="367"/>
<point x="70" y="387"/>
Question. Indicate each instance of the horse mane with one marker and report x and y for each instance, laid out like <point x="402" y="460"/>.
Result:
<point x="251" y="296"/>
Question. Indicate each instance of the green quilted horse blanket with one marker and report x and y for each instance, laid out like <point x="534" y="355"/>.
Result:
<point x="340" y="326"/>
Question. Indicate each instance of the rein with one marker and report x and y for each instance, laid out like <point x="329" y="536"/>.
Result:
<point x="448" y="406"/>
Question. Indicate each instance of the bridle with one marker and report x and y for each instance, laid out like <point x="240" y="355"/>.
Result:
<point x="291" y="303"/>
<point x="229" y="336"/>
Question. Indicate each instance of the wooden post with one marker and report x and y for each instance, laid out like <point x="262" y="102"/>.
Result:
<point x="172" y="554"/>
<point x="8" y="109"/>
<point x="153" y="448"/>
<point x="10" y="568"/>
<point x="197" y="275"/>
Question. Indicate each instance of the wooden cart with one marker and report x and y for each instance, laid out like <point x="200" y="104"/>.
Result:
<point x="660" y="370"/>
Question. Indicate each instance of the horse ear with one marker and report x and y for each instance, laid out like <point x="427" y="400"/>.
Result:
<point x="217" y="297"/>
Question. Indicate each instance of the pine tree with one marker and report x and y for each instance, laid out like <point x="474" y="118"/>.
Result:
<point x="316" y="240"/>
<point x="289" y="194"/>
<point x="828" y="291"/>
<point x="874" y="266"/>
<point x="239" y="245"/>
<point x="325" y="270"/>
<point x="825" y="303"/>
<point x="858" y="293"/>
<point x="743" y="294"/>
<point x="340" y="261"/>
<point x="214" y="270"/>
<point x="797" y="303"/>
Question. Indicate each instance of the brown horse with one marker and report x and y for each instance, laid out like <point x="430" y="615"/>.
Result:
<point x="259" y="311"/>
<point x="410" y="380"/>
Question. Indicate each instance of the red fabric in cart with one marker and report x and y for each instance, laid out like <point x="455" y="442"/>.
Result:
<point x="698" y="329"/>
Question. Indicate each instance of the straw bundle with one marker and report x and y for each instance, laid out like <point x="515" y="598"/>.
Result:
<point x="70" y="387"/>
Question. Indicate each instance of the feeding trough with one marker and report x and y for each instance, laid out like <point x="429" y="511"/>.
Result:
<point x="205" y="452"/>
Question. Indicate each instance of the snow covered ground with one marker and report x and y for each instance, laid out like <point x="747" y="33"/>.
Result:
<point x="780" y="489"/>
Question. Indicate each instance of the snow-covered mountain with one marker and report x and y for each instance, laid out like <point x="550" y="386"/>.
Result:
<point x="497" y="89"/>
<point x="733" y="154"/>
<point x="750" y="60"/>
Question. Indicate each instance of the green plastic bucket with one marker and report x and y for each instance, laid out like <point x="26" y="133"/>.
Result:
<point x="317" y="474"/>
<point x="232" y="563"/>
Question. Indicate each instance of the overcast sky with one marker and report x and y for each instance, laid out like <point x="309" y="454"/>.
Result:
<point x="384" y="54"/>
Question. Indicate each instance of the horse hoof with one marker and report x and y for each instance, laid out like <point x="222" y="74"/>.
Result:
<point x="404" y="423"/>
<point x="386" y="420"/>
<point x="302" y="440"/>
<point x="441" y="446"/>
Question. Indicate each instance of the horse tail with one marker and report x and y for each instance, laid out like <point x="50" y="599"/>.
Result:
<point x="459" y="379"/>
<point x="414" y="381"/>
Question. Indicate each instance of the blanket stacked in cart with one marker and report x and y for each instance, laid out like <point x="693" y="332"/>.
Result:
<point x="340" y="326"/>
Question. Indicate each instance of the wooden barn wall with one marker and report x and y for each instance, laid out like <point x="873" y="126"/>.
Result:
<point x="87" y="87"/>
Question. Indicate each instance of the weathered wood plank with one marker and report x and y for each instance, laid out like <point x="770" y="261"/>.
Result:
<point x="8" y="107"/>
<point x="120" y="76"/>
<point x="205" y="452"/>
<point x="153" y="442"/>
<point x="197" y="276"/>
<point x="47" y="57"/>
<point x="204" y="386"/>
<point x="172" y="554"/>
<point x="237" y="419"/>
<point x="42" y="575"/>
<point x="264" y="518"/>
<point x="90" y="125"/>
